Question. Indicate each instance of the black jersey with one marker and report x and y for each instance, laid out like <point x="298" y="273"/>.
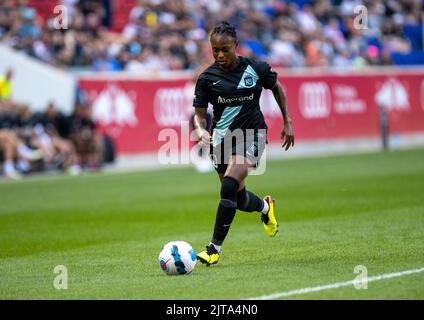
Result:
<point x="235" y="95"/>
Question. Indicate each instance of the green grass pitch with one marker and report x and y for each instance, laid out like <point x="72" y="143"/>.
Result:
<point x="107" y="229"/>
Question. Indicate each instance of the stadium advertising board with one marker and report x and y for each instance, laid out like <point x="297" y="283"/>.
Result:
<point x="323" y="106"/>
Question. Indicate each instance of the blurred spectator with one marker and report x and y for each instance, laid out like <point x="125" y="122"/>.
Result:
<point x="14" y="151"/>
<point x="55" y="126"/>
<point x="6" y="85"/>
<point x="87" y="140"/>
<point x="7" y="115"/>
<point x="105" y="62"/>
<point x="34" y="142"/>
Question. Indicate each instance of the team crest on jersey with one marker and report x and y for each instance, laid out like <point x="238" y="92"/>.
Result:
<point x="248" y="81"/>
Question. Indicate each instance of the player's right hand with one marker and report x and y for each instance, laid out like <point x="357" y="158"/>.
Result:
<point x="204" y="139"/>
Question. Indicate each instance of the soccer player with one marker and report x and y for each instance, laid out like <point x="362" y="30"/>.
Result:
<point x="233" y="85"/>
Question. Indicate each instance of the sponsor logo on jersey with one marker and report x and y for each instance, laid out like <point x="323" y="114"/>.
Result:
<point x="235" y="99"/>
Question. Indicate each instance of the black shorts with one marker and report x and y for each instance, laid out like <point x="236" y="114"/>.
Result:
<point x="249" y="143"/>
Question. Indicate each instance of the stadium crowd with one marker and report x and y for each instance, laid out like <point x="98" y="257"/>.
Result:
<point x="46" y="141"/>
<point x="172" y="35"/>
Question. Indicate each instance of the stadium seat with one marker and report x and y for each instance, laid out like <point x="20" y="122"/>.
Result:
<point x="413" y="58"/>
<point x="121" y="13"/>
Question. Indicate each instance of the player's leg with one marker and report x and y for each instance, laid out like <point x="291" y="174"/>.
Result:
<point x="234" y="176"/>
<point x="255" y="143"/>
<point x="236" y="172"/>
<point x="247" y="201"/>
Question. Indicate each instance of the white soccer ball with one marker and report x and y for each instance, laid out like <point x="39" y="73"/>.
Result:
<point x="177" y="258"/>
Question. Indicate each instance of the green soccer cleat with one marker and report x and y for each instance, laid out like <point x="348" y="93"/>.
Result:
<point x="208" y="256"/>
<point x="268" y="220"/>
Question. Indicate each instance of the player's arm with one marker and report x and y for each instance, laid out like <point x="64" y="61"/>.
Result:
<point x="199" y="123"/>
<point x="287" y="136"/>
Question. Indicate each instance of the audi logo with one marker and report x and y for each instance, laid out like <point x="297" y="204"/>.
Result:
<point x="170" y="106"/>
<point x="314" y="100"/>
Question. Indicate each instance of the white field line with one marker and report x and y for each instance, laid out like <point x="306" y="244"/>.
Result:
<point x="336" y="285"/>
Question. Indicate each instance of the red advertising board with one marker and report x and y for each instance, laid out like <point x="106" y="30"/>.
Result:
<point x="323" y="106"/>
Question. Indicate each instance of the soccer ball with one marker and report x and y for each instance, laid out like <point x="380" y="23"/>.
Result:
<point x="177" y="258"/>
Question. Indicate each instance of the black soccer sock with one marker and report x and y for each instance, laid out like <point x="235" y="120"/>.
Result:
<point x="248" y="201"/>
<point x="226" y="209"/>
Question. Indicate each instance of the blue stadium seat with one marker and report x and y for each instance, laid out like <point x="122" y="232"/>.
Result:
<point x="413" y="58"/>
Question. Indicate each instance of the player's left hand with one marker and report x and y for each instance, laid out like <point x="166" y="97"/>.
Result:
<point x="287" y="136"/>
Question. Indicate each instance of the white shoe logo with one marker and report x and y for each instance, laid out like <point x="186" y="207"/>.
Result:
<point x="214" y="83"/>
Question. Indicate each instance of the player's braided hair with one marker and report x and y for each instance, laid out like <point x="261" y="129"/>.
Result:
<point x="225" y="28"/>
